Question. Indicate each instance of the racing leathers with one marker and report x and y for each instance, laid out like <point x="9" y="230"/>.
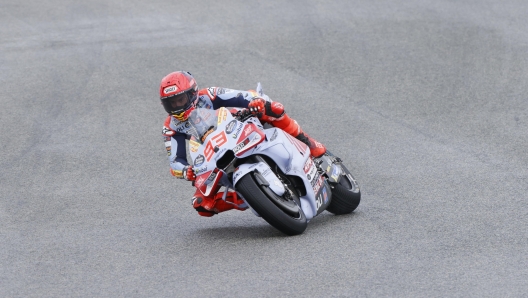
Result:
<point x="176" y="132"/>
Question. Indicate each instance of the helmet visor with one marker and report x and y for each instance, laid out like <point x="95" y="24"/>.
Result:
<point x="179" y="103"/>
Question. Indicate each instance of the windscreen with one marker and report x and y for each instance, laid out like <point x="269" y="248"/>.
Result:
<point x="203" y="122"/>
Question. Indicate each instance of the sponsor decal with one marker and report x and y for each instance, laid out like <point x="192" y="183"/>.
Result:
<point x="248" y="130"/>
<point x="319" y="202"/>
<point x="230" y="127"/>
<point x="200" y="180"/>
<point x="257" y="137"/>
<point x="207" y="133"/>
<point x="312" y="173"/>
<point x="321" y="199"/>
<point x="211" y="91"/>
<point x="183" y="126"/>
<point x="239" y="128"/>
<point x="222" y="115"/>
<point x="200" y="171"/>
<point x="170" y="89"/>
<point x="316" y="184"/>
<point x="199" y="160"/>
<point x="240" y="146"/>
<point x="168" y="147"/>
<point x="193" y="146"/>
<point x="307" y="165"/>
<point x="219" y="154"/>
<point x="247" y="143"/>
<point x="211" y="178"/>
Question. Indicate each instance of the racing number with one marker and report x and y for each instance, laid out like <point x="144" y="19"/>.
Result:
<point x="220" y="139"/>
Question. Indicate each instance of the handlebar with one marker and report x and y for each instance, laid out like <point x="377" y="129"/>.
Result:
<point x="242" y="114"/>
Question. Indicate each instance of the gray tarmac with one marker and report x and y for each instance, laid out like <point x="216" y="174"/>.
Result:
<point x="426" y="101"/>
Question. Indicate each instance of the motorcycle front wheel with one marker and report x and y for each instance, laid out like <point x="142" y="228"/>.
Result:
<point x="282" y="213"/>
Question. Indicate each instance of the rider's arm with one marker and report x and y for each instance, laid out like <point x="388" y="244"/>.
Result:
<point x="176" y="149"/>
<point x="177" y="155"/>
<point x="224" y="97"/>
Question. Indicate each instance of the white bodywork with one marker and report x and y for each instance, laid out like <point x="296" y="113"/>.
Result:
<point x="249" y="138"/>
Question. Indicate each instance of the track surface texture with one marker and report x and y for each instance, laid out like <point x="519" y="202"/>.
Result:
<point x="425" y="101"/>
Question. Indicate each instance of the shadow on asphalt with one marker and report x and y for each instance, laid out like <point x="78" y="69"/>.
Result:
<point x="321" y="223"/>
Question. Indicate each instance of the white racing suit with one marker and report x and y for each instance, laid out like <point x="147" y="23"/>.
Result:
<point x="175" y="131"/>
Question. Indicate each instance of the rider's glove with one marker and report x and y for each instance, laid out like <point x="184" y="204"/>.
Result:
<point x="188" y="173"/>
<point x="266" y="110"/>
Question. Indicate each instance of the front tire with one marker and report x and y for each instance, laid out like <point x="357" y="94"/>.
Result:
<point x="257" y="196"/>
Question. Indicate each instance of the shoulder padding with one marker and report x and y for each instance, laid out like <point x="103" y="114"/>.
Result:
<point x="211" y="92"/>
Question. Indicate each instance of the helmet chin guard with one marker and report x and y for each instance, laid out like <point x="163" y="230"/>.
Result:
<point x="183" y="116"/>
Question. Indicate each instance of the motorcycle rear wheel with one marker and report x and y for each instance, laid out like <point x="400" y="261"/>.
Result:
<point x="256" y="197"/>
<point x="345" y="197"/>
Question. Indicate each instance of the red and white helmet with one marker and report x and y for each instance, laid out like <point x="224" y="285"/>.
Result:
<point x="178" y="94"/>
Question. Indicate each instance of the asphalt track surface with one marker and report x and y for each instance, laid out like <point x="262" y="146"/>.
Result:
<point x="426" y="101"/>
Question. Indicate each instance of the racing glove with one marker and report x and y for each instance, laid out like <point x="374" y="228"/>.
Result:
<point x="266" y="110"/>
<point x="188" y="173"/>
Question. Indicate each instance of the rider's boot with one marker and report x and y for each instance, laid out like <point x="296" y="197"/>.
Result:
<point x="210" y="205"/>
<point x="316" y="149"/>
<point x="293" y="128"/>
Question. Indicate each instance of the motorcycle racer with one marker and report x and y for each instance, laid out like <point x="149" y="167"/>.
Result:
<point x="179" y="95"/>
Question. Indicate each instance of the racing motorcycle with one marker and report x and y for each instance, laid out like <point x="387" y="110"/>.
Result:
<point x="269" y="169"/>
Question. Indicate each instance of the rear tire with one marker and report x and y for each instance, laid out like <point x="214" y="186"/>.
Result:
<point x="345" y="197"/>
<point x="255" y="195"/>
